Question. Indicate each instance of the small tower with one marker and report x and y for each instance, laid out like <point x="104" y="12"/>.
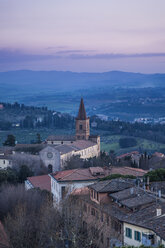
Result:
<point x="82" y="123"/>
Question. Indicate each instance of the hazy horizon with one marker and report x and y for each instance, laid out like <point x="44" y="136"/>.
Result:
<point x="83" y="36"/>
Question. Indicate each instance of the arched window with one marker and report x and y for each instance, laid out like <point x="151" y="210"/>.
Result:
<point x="50" y="168"/>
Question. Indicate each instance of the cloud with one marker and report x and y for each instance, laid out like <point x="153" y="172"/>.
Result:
<point x="14" y="56"/>
<point x="74" y="51"/>
<point x="10" y="56"/>
<point x="116" y="55"/>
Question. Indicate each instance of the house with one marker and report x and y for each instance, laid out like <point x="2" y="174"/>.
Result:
<point x="43" y="182"/>
<point x="64" y="182"/>
<point x="140" y="224"/>
<point x="120" y="213"/>
<point x="101" y="217"/>
<point x="127" y="158"/>
<point x="5" y="158"/>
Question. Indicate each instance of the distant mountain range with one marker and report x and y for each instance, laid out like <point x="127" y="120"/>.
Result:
<point x="32" y="81"/>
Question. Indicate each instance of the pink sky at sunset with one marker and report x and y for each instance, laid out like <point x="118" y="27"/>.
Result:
<point x="78" y="35"/>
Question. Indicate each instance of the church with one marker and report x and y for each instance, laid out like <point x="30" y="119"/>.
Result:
<point x="61" y="148"/>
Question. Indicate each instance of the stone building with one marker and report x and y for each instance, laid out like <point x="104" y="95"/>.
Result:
<point x="60" y="148"/>
<point x="116" y="212"/>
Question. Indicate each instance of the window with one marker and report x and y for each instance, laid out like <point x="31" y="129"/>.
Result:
<point x="137" y="236"/>
<point x="108" y="243"/>
<point x="128" y="232"/>
<point x="107" y="220"/>
<point x="4" y="161"/>
<point x="93" y="211"/>
<point x="84" y="226"/>
<point x="81" y="127"/>
<point x="97" y="196"/>
<point x="102" y="238"/>
<point x="50" y="168"/>
<point x="102" y="217"/>
<point x="85" y="208"/>
<point x="95" y="232"/>
<point x="97" y="214"/>
<point x="63" y="192"/>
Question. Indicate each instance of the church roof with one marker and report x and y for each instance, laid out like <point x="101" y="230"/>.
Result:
<point x="82" y="113"/>
<point x="61" y="138"/>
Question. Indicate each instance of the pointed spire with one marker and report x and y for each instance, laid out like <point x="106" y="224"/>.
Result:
<point x="82" y="113"/>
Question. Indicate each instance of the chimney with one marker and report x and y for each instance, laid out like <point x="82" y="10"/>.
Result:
<point x="159" y="194"/>
<point x="158" y="211"/>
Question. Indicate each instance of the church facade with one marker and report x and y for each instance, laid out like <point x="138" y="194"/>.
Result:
<point x="60" y="149"/>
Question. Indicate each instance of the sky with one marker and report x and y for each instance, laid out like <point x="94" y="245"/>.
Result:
<point x="83" y="35"/>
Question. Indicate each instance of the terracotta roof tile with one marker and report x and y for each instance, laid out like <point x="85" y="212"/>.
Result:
<point x="82" y="144"/>
<point x="77" y="175"/>
<point x="42" y="182"/>
<point x="128" y="171"/>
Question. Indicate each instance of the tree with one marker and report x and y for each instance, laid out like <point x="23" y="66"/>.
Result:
<point x="74" y="162"/>
<point x="127" y="142"/>
<point x="23" y="173"/>
<point x="156" y="175"/>
<point x="10" y="141"/>
<point x="8" y="175"/>
<point x="36" y="222"/>
<point x="38" y="138"/>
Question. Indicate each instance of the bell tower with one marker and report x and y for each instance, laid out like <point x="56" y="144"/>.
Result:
<point x="82" y="123"/>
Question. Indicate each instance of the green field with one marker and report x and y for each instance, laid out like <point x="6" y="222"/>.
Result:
<point x="108" y="142"/>
<point x="112" y="143"/>
<point x="28" y="136"/>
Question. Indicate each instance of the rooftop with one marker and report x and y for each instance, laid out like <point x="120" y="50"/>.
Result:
<point x="63" y="149"/>
<point x="127" y="154"/>
<point x="42" y="182"/>
<point x="82" y="144"/>
<point x="128" y="171"/>
<point x="138" y="200"/>
<point x="82" y="113"/>
<point x="78" y="175"/>
<point x="113" y="185"/>
<point x="61" y="138"/>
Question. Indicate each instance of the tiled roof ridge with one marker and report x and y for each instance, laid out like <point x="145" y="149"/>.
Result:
<point x="38" y="176"/>
<point x="74" y="170"/>
<point x="85" y="175"/>
<point x="135" y="169"/>
<point x="105" y="185"/>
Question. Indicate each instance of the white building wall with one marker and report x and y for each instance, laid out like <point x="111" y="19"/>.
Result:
<point x="28" y="185"/>
<point x="132" y="241"/>
<point x="4" y="163"/>
<point x="90" y="152"/>
<point x="56" y="188"/>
